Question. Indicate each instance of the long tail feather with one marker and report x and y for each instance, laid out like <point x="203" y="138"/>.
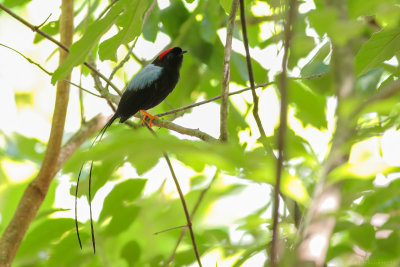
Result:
<point x="76" y="208"/>
<point x="104" y="129"/>
<point x="97" y="138"/>
<point x="90" y="208"/>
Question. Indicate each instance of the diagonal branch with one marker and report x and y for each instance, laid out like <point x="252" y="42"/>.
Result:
<point x="46" y="71"/>
<point x="252" y="84"/>
<point x="182" y="198"/>
<point x="58" y="43"/>
<point x="196" y="206"/>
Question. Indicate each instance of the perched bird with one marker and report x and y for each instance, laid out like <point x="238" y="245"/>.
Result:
<point x="148" y="88"/>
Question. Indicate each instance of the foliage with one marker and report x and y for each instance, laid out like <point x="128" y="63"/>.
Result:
<point x="130" y="215"/>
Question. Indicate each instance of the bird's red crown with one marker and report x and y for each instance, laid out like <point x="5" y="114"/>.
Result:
<point x="160" y="57"/>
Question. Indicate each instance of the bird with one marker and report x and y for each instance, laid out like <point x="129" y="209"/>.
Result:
<point x="148" y="88"/>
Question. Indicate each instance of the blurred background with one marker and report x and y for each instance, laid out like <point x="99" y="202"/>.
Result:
<point x="134" y="195"/>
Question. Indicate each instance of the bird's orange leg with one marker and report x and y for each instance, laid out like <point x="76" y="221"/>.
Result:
<point x="146" y="114"/>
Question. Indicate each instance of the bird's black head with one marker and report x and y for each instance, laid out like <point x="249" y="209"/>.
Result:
<point x="172" y="57"/>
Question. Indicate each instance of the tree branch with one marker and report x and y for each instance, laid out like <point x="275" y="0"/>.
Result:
<point x="182" y="198"/>
<point x="226" y="72"/>
<point x="251" y="78"/>
<point x="196" y="206"/>
<point x="37" y="189"/>
<point x="177" y="128"/>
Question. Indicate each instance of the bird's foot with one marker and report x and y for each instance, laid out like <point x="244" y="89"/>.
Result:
<point x="146" y="114"/>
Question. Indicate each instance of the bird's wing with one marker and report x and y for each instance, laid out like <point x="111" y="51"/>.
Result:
<point x="145" y="77"/>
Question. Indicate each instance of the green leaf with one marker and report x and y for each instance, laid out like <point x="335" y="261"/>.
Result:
<point x="126" y="191"/>
<point x="236" y="123"/>
<point x="367" y="83"/>
<point x="213" y="16"/>
<point x="51" y="28"/>
<point x="325" y="20"/>
<point x="19" y="147"/>
<point x="131" y="252"/>
<point x="80" y="49"/>
<point x="380" y="200"/>
<point x="272" y="40"/>
<point x="151" y="28"/>
<point x="386" y="13"/>
<point x="15" y="3"/>
<point x="317" y="65"/>
<point x="123" y="216"/>
<point x="226" y="4"/>
<point x="173" y="17"/>
<point x="75" y="256"/>
<point x="339" y="250"/>
<point x="310" y="107"/>
<point x="362" y="8"/>
<point x="39" y="238"/>
<point x="301" y="46"/>
<point x="131" y="22"/>
<point x="363" y="235"/>
<point x="386" y="251"/>
<point x="382" y="46"/>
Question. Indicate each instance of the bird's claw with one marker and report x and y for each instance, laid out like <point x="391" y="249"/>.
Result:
<point x="146" y="114"/>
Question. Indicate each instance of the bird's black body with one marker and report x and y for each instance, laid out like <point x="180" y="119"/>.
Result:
<point x="152" y="94"/>
<point x="148" y="88"/>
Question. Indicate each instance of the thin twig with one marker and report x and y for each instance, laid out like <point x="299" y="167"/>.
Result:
<point x="28" y="59"/>
<point x="182" y="198"/>
<point x="169" y="229"/>
<point x="122" y="63"/>
<point x="48" y="72"/>
<point x="83" y="89"/>
<point x="292" y="12"/>
<point x="251" y="76"/>
<point x="60" y="44"/>
<point x="101" y="89"/>
<point x="226" y="72"/>
<point x="211" y="100"/>
<point x="41" y="24"/>
<point x="196" y="206"/>
<point x="81" y="106"/>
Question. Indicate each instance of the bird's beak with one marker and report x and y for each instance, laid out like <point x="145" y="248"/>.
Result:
<point x="183" y="52"/>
